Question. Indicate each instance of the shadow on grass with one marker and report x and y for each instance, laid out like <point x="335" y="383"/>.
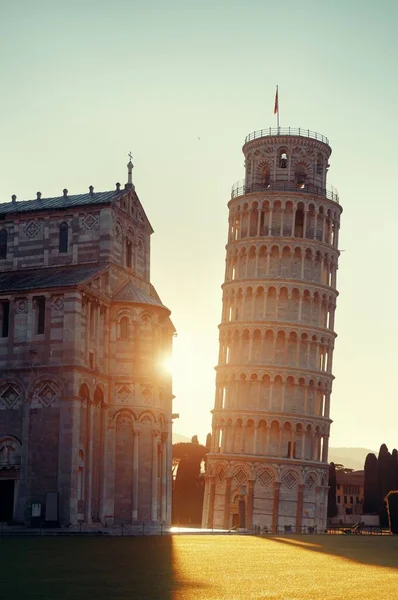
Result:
<point x="89" y="568"/>
<point x="379" y="551"/>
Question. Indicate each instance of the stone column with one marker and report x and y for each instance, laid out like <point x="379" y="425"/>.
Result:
<point x="315" y="225"/>
<point x="280" y="441"/>
<point x="109" y="475"/>
<point x="318" y="491"/>
<point x="68" y="456"/>
<point x="215" y="438"/>
<point x="259" y="211"/>
<point x="282" y="219"/>
<point x="22" y="506"/>
<point x="292" y="443"/>
<point x="293" y="223"/>
<point x="243" y="438"/>
<point x="155" y="444"/>
<point x="303" y="445"/>
<point x="275" y="508"/>
<point x="305" y="223"/>
<point x="227" y="501"/>
<point x="98" y="336"/>
<point x="327" y="404"/>
<point x="169" y="478"/>
<point x="87" y="332"/>
<point x="270" y="222"/>
<point x="163" y="485"/>
<point x="249" y="504"/>
<point x="212" y="496"/>
<point x="136" y="459"/>
<point x="205" y="501"/>
<point x="90" y="443"/>
<point x="325" y="449"/>
<point x="223" y="438"/>
<point x="255" y="438"/>
<point x="104" y="427"/>
<point x="299" y="513"/>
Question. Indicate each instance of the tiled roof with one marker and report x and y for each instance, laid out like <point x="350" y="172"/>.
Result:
<point x="131" y="293"/>
<point x="51" y="277"/>
<point x="59" y="202"/>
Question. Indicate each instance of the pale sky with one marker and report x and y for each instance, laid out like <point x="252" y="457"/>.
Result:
<point x="83" y="82"/>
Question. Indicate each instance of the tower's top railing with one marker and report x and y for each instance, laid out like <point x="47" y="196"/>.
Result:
<point x="286" y="131"/>
<point x="240" y="188"/>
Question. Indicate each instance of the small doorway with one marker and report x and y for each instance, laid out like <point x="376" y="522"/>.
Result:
<point x="235" y="520"/>
<point x="6" y="500"/>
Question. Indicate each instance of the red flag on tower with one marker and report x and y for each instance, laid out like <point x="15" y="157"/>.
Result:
<point x="276" y="107"/>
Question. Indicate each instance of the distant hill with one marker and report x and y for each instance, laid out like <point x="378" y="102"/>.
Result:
<point x="353" y="458"/>
<point x="178" y="437"/>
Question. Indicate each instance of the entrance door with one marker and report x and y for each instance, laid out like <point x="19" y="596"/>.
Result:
<point x="6" y="500"/>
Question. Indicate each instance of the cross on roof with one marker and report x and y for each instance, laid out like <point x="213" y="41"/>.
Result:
<point x="130" y="156"/>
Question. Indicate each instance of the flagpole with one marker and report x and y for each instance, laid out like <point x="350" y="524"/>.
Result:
<point x="276" y="108"/>
<point x="277" y="114"/>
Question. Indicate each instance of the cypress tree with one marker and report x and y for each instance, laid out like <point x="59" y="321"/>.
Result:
<point x="188" y="488"/>
<point x="371" y="497"/>
<point x="386" y="482"/>
<point x="332" y="505"/>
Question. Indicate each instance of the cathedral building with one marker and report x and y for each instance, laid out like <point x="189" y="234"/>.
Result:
<point x="268" y="464"/>
<point x="85" y="400"/>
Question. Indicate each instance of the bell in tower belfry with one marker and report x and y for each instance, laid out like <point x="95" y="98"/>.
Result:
<point x="271" y="417"/>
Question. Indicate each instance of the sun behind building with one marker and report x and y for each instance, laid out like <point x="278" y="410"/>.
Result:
<point x="85" y="403"/>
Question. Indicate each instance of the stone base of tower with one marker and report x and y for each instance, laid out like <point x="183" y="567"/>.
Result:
<point x="278" y="497"/>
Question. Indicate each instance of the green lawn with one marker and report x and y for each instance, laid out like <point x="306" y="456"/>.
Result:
<point x="202" y="567"/>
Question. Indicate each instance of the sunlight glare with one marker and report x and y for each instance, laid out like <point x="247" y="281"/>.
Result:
<point x="168" y="365"/>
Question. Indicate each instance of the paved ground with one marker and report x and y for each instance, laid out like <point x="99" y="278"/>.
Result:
<point x="205" y="567"/>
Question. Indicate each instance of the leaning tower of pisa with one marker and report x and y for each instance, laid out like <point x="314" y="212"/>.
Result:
<point x="271" y="418"/>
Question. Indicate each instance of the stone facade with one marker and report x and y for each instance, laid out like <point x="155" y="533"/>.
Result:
<point x="274" y="376"/>
<point x="349" y="495"/>
<point x="85" y="402"/>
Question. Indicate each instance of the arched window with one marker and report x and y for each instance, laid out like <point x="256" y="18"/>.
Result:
<point x="124" y="328"/>
<point x="63" y="237"/>
<point x="283" y="160"/>
<point x="129" y="254"/>
<point x="3" y="243"/>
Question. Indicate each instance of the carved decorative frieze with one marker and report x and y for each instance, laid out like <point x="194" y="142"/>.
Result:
<point x="31" y="229"/>
<point x="45" y="394"/>
<point x="266" y="477"/>
<point x="10" y="395"/>
<point x="290" y="479"/>
<point x="125" y="393"/>
<point x="310" y="481"/>
<point x="240" y="476"/>
<point x="21" y="305"/>
<point x="90" y="221"/>
<point x="124" y="420"/>
<point x="57" y="302"/>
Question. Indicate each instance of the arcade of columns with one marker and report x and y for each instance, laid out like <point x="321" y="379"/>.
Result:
<point x="272" y="410"/>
